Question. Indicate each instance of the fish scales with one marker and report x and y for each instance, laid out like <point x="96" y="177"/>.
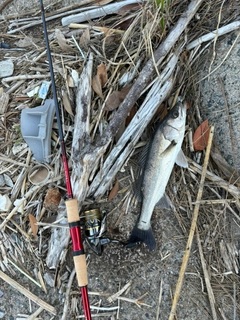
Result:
<point x="164" y="151"/>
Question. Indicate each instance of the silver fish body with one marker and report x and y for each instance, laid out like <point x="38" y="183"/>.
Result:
<point x="164" y="152"/>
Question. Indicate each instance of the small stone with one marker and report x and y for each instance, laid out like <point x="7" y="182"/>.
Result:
<point x="5" y="203"/>
<point x="8" y="180"/>
<point x="5" y="180"/>
<point x="2" y="314"/>
<point x="6" y="68"/>
<point x="49" y="279"/>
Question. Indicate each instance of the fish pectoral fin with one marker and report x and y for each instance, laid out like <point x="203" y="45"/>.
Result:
<point x="165" y="203"/>
<point x="143" y="155"/>
<point x="181" y="159"/>
<point x="169" y="148"/>
<point x="137" y="184"/>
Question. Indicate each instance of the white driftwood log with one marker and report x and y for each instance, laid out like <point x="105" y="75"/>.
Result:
<point x="158" y="93"/>
<point x="216" y="33"/>
<point x="85" y="156"/>
<point x="148" y="72"/>
<point x="97" y="12"/>
<point x="59" y="239"/>
<point x="81" y="158"/>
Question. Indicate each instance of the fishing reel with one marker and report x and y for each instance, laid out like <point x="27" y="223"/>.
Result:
<point x="95" y="226"/>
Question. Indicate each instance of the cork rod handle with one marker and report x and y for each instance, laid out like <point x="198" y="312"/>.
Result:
<point x="78" y="251"/>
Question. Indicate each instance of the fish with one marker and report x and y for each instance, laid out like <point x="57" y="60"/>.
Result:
<point x="164" y="151"/>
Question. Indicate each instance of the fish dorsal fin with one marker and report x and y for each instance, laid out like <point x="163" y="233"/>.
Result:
<point x="181" y="160"/>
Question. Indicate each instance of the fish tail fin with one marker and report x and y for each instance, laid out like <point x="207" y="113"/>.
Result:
<point x="140" y="235"/>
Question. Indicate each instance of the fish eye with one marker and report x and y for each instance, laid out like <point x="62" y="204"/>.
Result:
<point x="175" y="114"/>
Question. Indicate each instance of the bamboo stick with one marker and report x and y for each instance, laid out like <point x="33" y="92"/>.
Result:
<point x="192" y="229"/>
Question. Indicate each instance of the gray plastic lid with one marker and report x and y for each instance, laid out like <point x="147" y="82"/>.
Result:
<point x="36" y="128"/>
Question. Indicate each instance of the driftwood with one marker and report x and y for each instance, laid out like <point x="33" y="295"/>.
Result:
<point x="158" y="93"/>
<point x="148" y="71"/>
<point x="217" y="33"/>
<point x="81" y="135"/>
<point x="25" y="77"/>
<point x="59" y="239"/>
<point x="37" y="22"/>
<point x="90" y="155"/>
<point x="96" y="12"/>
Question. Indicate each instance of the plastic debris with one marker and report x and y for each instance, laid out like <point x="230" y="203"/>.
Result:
<point x="38" y="174"/>
<point x="33" y="92"/>
<point x="36" y="128"/>
<point x="4" y="45"/>
<point x="44" y="89"/>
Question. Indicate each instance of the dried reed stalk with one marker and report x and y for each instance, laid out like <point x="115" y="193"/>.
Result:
<point x="192" y="229"/>
<point x="27" y="293"/>
<point x="207" y="278"/>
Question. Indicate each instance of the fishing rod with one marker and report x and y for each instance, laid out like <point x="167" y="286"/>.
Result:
<point x="71" y="203"/>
